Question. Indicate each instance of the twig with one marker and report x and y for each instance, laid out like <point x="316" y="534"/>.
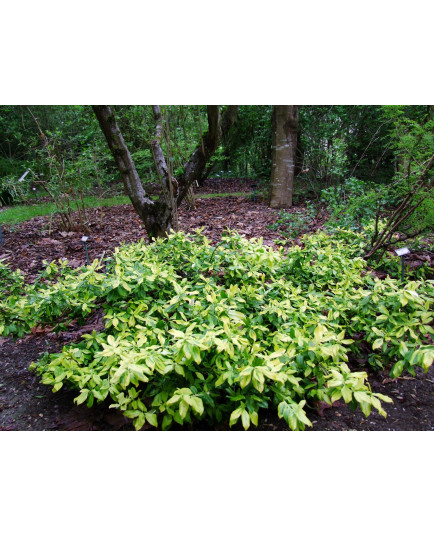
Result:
<point x="391" y="380"/>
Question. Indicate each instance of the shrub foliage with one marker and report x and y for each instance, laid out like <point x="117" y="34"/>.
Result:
<point x="219" y="333"/>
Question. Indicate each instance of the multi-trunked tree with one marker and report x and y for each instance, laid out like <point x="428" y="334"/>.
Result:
<point x="157" y="215"/>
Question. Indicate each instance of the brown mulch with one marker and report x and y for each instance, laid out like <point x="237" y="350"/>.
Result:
<point x="26" y="404"/>
<point x="29" y="243"/>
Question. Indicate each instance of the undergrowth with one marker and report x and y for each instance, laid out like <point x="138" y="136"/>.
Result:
<point x="294" y="224"/>
<point x="220" y="333"/>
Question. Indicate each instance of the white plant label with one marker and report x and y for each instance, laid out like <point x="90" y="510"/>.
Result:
<point x="402" y="251"/>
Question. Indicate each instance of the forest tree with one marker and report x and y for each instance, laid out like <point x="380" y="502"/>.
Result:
<point x="157" y="215"/>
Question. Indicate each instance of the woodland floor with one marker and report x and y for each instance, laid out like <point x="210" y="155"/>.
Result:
<point x="26" y="404"/>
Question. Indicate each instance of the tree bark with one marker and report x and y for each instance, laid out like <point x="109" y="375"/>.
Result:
<point x="285" y="125"/>
<point x="166" y="177"/>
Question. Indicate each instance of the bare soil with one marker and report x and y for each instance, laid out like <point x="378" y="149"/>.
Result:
<point x="26" y="404"/>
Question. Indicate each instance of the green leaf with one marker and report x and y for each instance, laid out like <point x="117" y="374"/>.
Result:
<point x="131" y="414"/>
<point x="167" y="421"/>
<point x="235" y="415"/>
<point x="277" y="353"/>
<point x="301" y="416"/>
<point x="384" y="398"/>
<point x="138" y="371"/>
<point x="195" y="352"/>
<point x="57" y="386"/>
<point x="197" y="404"/>
<point x="347" y="394"/>
<point x="83" y="396"/>
<point x="258" y="380"/>
<point x="99" y="395"/>
<point x="90" y="399"/>
<point x="179" y="370"/>
<point x="383" y="310"/>
<point x="319" y="331"/>
<point x="140" y="421"/>
<point x="183" y="409"/>
<point x="221" y="380"/>
<point x="254" y="418"/>
<point x="397" y="369"/>
<point x="403" y="349"/>
<point x="377" y="405"/>
<point x="336" y="395"/>
<point x="403" y="300"/>
<point x="366" y="408"/>
<point x="245" y="419"/>
<point x="173" y="400"/>
<point x="245" y="380"/>
<point x="152" y="419"/>
<point x="400" y="333"/>
<point x="292" y="421"/>
<point x="362" y="397"/>
<point x="377" y="343"/>
<point x="427" y="359"/>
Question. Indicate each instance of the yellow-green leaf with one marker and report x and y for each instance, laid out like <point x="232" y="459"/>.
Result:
<point x="397" y="369"/>
<point x="245" y="419"/>
<point x="152" y="419"/>
<point x="140" y="421"/>
<point x="197" y="404"/>
<point x="254" y="418"/>
<point x="347" y="394"/>
<point x="235" y="415"/>
<point x="245" y="380"/>
<point x="183" y="409"/>
<point x="258" y="380"/>
<point x="83" y="396"/>
<point x="57" y="386"/>
<point x="377" y="344"/>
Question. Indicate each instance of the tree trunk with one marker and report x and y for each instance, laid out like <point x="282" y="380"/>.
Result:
<point x="164" y="171"/>
<point x="158" y="215"/>
<point x="285" y="125"/>
<point x="155" y="215"/>
<point x="219" y="125"/>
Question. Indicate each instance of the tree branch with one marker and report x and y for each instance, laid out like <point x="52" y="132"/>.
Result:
<point x="123" y="159"/>
<point x="401" y="213"/>
<point x="218" y="126"/>
<point x="158" y="155"/>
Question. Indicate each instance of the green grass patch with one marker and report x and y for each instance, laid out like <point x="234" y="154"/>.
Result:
<point x="20" y="213"/>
